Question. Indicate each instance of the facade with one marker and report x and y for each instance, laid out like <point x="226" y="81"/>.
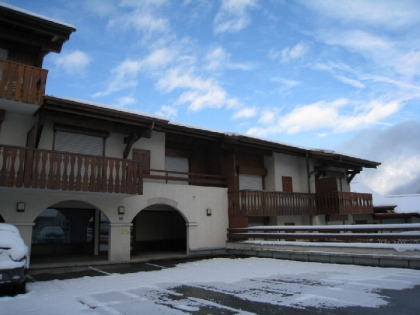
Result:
<point x="79" y="178"/>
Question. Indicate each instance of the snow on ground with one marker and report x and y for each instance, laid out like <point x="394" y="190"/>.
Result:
<point x="272" y="281"/>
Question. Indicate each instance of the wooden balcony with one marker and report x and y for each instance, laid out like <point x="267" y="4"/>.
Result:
<point x="43" y="169"/>
<point x="269" y="203"/>
<point x="173" y="177"/>
<point x="22" y="83"/>
<point x="344" y="203"/>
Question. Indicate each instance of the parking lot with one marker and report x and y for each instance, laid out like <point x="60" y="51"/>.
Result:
<point x="219" y="286"/>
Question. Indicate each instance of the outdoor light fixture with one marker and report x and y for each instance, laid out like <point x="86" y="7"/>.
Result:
<point x="20" y="207"/>
<point x="121" y="210"/>
<point x="208" y="211"/>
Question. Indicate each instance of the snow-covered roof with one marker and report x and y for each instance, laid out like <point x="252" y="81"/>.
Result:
<point x="404" y="203"/>
<point x="222" y="134"/>
<point x="35" y="15"/>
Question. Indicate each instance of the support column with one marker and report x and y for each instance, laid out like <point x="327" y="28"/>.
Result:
<point x="119" y="242"/>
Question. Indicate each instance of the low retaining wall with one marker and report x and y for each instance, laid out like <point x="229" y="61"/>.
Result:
<point x="378" y="256"/>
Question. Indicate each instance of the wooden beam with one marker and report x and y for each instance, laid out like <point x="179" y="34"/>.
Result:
<point x="39" y="128"/>
<point x="134" y="137"/>
<point x="351" y="176"/>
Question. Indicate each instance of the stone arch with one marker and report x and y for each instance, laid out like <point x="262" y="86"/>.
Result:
<point x="69" y="227"/>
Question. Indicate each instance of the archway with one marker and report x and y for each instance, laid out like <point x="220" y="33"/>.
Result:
<point x="159" y="228"/>
<point x="70" y="228"/>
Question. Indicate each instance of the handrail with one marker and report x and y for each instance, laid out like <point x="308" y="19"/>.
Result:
<point x="22" y="83"/>
<point x="270" y="203"/>
<point x="190" y="178"/>
<point x="46" y="169"/>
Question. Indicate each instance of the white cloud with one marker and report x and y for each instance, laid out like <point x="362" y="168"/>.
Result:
<point x="293" y="53"/>
<point x="200" y="93"/>
<point x="352" y="82"/>
<point x="397" y="149"/>
<point x="159" y="58"/>
<point x="394" y="173"/>
<point x="219" y="59"/>
<point x="124" y="101"/>
<point x="268" y="116"/>
<point x="123" y="76"/>
<point x="247" y="112"/>
<point x="167" y="111"/>
<point x="389" y="14"/>
<point x="338" y="116"/>
<point x="285" y="84"/>
<point x="73" y="63"/>
<point x="233" y="15"/>
<point x="143" y="16"/>
<point x="409" y="63"/>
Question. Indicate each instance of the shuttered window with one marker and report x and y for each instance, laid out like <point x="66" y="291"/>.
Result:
<point x="252" y="182"/>
<point x="287" y="184"/>
<point x="78" y="143"/>
<point x="177" y="164"/>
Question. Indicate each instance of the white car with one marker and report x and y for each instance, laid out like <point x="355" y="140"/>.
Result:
<point x="14" y="258"/>
<point x="51" y="234"/>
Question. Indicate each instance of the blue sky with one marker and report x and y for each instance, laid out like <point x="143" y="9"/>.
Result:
<point x="340" y="75"/>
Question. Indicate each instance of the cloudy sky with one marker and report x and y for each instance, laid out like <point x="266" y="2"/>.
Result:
<point x="340" y="75"/>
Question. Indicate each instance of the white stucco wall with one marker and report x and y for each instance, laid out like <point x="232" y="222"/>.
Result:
<point x="204" y="232"/>
<point x="156" y="146"/>
<point x="191" y="201"/>
<point x="288" y="165"/>
<point x="15" y="128"/>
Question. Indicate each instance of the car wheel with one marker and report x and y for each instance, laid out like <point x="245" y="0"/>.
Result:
<point x="20" y="288"/>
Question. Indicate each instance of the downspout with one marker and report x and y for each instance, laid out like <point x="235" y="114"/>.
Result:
<point x="308" y="171"/>
<point x="309" y="181"/>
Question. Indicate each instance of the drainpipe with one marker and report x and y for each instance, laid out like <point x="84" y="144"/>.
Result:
<point x="309" y="173"/>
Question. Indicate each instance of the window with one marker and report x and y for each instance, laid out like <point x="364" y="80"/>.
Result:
<point x="78" y="143"/>
<point x="177" y="164"/>
<point x="252" y="182"/>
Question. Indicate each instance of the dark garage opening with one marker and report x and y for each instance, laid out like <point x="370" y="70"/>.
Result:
<point x="159" y="229"/>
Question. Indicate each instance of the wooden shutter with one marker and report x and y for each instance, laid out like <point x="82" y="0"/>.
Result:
<point x="287" y="183"/>
<point x="144" y="157"/>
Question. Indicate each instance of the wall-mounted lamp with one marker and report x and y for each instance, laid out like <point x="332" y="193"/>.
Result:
<point x="20" y="207"/>
<point x="121" y="210"/>
<point x="208" y="211"/>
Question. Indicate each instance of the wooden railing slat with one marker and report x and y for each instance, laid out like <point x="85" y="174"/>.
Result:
<point x="56" y="170"/>
<point x="21" y="82"/>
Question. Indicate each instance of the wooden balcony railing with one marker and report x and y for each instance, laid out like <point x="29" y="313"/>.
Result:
<point x="270" y="203"/>
<point x="173" y="177"/>
<point x="344" y="203"/>
<point x="22" y="83"/>
<point x="44" y="169"/>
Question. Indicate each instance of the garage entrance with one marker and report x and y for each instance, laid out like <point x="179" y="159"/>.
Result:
<point x="70" y="228"/>
<point x="159" y="228"/>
